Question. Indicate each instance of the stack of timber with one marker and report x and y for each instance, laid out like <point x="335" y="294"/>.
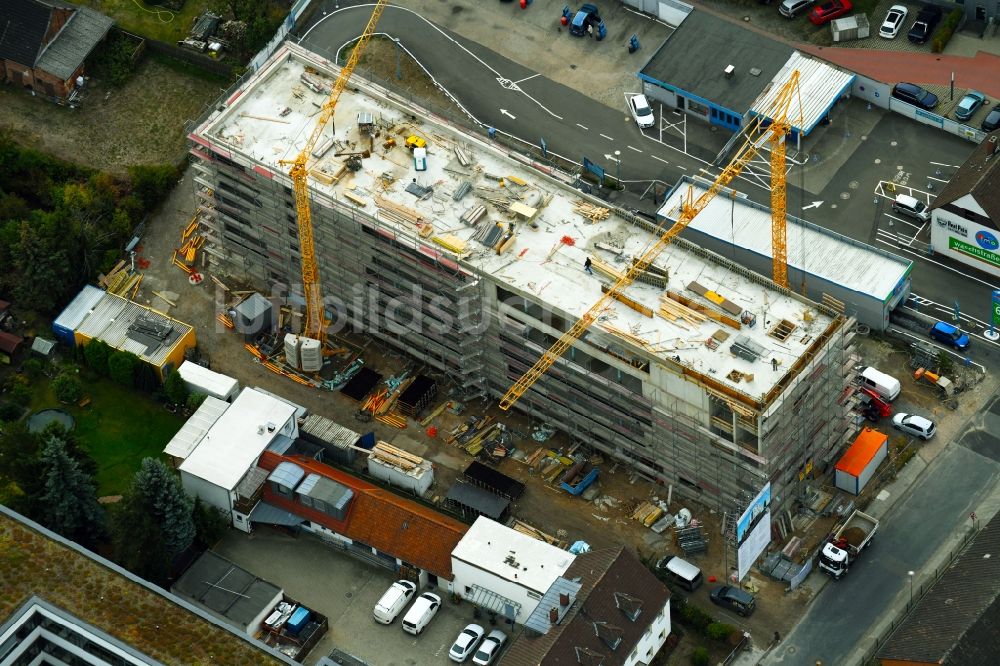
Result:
<point x="691" y="304"/>
<point x="401" y="213"/>
<point x="121" y="281"/>
<point x="673" y="311"/>
<point x="590" y="211"/>
<point x="396" y="457"/>
<point x="647" y="513"/>
<point x="535" y="533"/>
<point x="655" y="277"/>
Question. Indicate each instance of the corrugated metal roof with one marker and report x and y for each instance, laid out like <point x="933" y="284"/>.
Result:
<point x="196" y="427"/>
<point x="78" y="308"/>
<point x="336" y="495"/>
<point x="287" y="474"/>
<point x="820" y="86"/>
<point x="812" y="249"/>
<point x="941" y="622"/>
<point x="111" y="318"/>
<point x="74" y="42"/>
<point x="539" y="619"/>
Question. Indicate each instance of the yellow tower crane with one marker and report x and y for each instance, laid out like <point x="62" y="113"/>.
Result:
<point x="757" y="134"/>
<point x="315" y="324"/>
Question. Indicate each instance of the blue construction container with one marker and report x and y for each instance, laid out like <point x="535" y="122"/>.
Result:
<point x="72" y="316"/>
<point x="300" y="616"/>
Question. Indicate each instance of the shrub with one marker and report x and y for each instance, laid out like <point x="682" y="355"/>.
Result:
<point x="9" y="411"/>
<point x="696" y="618"/>
<point x="96" y="353"/>
<point x="19" y="393"/>
<point x="699" y="657"/>
<point x="67" y="388"/>
<point x="34" y="368"/>
<point x="719" y="631"/>
<point x="121" y="367"/>
<point x="153" y="183"/>
<point x="194" y="400"/>
<point x="947" y="30"/>
<point x="175" y="388"/>
<point x="113" y="59"/>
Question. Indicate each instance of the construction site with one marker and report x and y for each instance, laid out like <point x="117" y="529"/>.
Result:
<point x="707" y="377"/>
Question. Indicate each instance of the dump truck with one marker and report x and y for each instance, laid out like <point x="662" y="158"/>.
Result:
<point x="846" y="544"/>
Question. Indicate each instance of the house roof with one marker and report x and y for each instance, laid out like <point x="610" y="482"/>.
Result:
<point x="226" y="589"/>
<point x="715" y="44"/>
<point x="9" y="342"/>
<point x="232" y="444"/>
<point x="612" y="579"/>
<point x="195" y="428"/>
<point x="958" y="611"/>
<point x="84" y="30"/>
<point x="23" y="24"/>
<point x="820" y="86"/>
<point x="379" y="518"/>
<point x="978" y="176"/>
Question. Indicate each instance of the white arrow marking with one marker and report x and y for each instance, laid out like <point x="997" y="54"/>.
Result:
<point x="508" y="114"/>
<point x="814" y="204"/>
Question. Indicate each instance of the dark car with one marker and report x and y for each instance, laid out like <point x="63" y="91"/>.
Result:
<point x="924" y="25"/>
<point x="734" y="599"/>
<point x="587" y="16"/>
<point x="913" y="94"/>
<point x="992" y="121"/>
<point x="950" y="335"/>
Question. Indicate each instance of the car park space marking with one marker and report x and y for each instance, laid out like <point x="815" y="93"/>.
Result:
<point x="971" y="332"/>
<point x="527" y="78"/>
<point x="902" y="239"/>
<point x="950" y="166"/>
<point x="940" y="180"/>
<point x="923" y="257"/>
<point x="920" y="300"/>
<point x="660" y="159"/>
<point x="899" y="219"/>
<point x="934" y="343"/>
<point x="583" y="127"/>
<point x="634" y="148"/>
<point x="608" y="137"/>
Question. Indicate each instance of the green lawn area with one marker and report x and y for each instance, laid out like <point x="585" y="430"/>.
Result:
<point x="119" y="428"/>
<point x="147" y="21"/>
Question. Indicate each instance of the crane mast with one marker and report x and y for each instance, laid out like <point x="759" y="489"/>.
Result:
<point x="315" y="321"/>
<point x="774" y="134"/>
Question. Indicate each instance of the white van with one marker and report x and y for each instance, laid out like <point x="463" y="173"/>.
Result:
<point x="393" y="601"/>
<point x="885" y="385"/>
<point x="421" y="613"/>
<point x="681" y="572"/>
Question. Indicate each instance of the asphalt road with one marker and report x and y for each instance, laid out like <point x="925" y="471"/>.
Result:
<point x="839" y="620"/>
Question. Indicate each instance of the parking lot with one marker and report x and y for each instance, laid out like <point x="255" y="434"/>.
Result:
<point x="345" y="590"/>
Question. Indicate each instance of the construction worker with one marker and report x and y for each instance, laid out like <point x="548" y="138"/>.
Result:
<point x="587" y="268"/>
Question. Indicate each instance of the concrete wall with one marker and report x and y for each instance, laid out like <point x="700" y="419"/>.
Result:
<point x="467" y="575"/>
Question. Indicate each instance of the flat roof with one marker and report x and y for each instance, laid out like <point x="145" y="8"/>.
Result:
<point x="233" y="443"/>
<point x="227" y="589"/>
<point x="508" y="553"/>
<point x="820" y="86"/>
<point x="811" y="248"/>
<point x="694" y="59"/>
<point x="114" y="319"/>
<point x="540" y="264"/>
<point x="216" y="382"/>
<point x="861" y="452"/>
<point x="195" y="428"/>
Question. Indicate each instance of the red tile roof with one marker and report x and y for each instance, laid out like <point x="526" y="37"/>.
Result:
<point x="379" y="518"/>
<point x="9" y="342"/>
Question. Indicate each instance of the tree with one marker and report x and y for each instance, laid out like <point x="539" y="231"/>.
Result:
<point x="145" y="378"/>
<point x="67" y="388"/>
<point x="121" y="367"/>
<point x="194" y="401"/>
<point x="210" y="524"/>
<point x="68" y="505"/>
<point x="170" y="505"/>
<point x="176" y="390"/>
<point x="19" y="464"/>
<point x="97" y="353"/>
<point x="153" y="183"/>
<point x="18" y="392"/>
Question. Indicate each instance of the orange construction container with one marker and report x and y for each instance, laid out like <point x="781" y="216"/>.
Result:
<point x="856" y="468"/>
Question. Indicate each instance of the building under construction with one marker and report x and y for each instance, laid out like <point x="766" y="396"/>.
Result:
<point x="707" y="376"/>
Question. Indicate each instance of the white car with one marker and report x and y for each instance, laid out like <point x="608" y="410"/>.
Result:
<point x="914" y="425"/>
<point x="641" y="111"/>
<point x="466" y="643"/>
<point x="893" y="22"/>
<point x="490" y="648"/>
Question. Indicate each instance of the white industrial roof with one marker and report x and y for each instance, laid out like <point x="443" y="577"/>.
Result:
<point x="196" y="427"/>
<point x="507" y="553"/>
<point x="540" y="262"/>
<point x="237" y="439"/>
<point x="208" y="381"/>
<point x="815" y="250"/>
<point x="820" y="86"/>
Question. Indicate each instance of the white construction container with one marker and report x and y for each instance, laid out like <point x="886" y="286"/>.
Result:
<point x="851" y="27"/>
<point x="413" y="473"/>
<point x="202" y="380"/>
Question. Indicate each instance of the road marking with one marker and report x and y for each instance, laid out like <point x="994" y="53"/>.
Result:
<point x="633" y="148"/>
<point x="899" y="219"/>
<point x="923" y="256"/>
<point x="583" y="127"/>
<point x="659" y="158"/>
<point x="527" y="78"/>
<point x="950" y="166"/>
<point x="508" y="114"/>
<point x="607" y="137"/>
<point x="937" y="179"/>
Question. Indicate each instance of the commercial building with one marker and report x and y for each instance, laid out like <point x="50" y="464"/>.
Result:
<point x="125" y="325"/>
<point x="852" y="277"/>
<point x="725" y="74"/>
<point x="713" y="380"/>
<point x="965" y="216"/>
<point x="505" y="571"/>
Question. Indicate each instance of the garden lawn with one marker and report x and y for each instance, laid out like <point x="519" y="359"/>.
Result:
<point x="119" y="428"/>
<point x="137" y="17"/>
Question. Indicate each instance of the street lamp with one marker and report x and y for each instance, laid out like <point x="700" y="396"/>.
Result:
<point x="910" y="574"/>
<point x="618" y="162"/>
<point x="399" y="73"/>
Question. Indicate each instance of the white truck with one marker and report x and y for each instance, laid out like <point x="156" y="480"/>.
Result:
<point x="846" y="544"/>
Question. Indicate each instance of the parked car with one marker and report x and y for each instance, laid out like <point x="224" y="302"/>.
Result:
<point x="950" y="335"/>
<point x="490" y="648"/>
<point x="913" y="94"/>
<point x="907" y="205"/>
<point x="734" y="599"/>
<point x="466" y="643"/>
<point x="393" y="601"/>
<point x="641" y="111"/>
<point x="969" y="104"/>
<point x="914" y="425"/>
<point x="922" y="28"/>
<point x="893" y="22"/>
<point x="792" y="8"/>
<point x="421" y="613"/>
<point x="992" y="121"/>
<point x="828" y="11"/>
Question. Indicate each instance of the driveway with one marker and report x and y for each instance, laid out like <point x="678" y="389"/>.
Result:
<point x="345" y="590"/>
